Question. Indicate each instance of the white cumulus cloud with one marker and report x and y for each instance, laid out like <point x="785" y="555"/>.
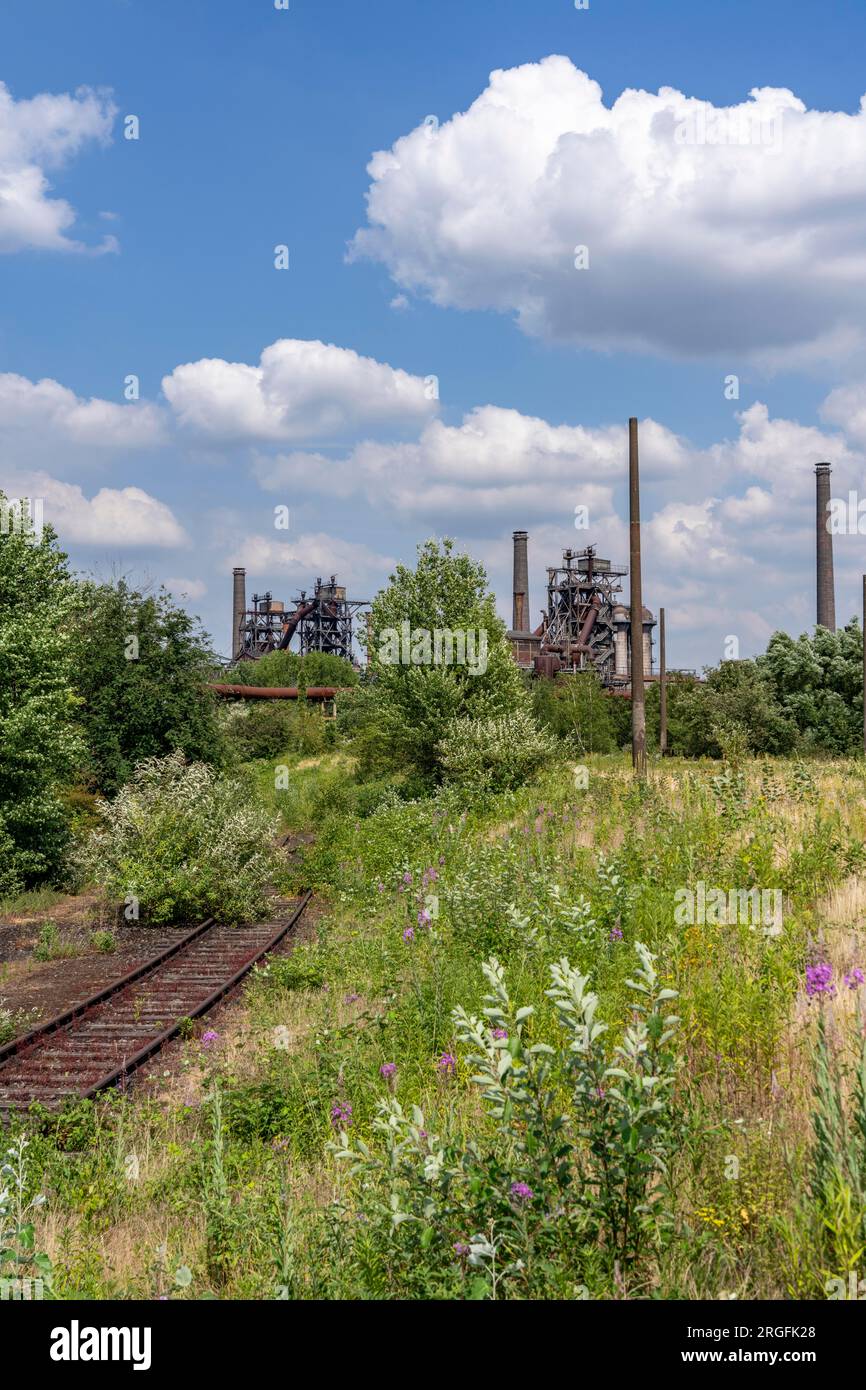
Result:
<point x="36" y="414"/>
<point x="113" y="517"/>
<point x="709" y="230"/>
<point x="37" y="135"/>
<point x="300" y="390"/>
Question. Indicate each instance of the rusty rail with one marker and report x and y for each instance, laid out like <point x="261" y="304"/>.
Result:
<point x="86" y="1049"/>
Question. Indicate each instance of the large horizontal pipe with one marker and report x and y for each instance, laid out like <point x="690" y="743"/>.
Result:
<point x="274" y="692"/>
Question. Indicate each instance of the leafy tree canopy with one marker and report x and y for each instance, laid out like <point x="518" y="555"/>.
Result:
<point x="141" y="668"/>
<point x="39" y="741"/>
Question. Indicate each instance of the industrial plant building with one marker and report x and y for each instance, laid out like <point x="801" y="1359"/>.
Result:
<point x="584" y="626"/>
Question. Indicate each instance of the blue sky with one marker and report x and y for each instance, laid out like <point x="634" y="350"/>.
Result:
<point x="257" y="127"/>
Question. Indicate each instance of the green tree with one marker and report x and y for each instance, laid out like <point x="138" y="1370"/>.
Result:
<point x="289" y="668"/>
<point x="576" y="708"/>
<point x="734" y="696"/>
<point x="39" y="742"/>
<point x="409" y="702"/>
<point x="141" y="668"/>
<point x="818" y="682"/>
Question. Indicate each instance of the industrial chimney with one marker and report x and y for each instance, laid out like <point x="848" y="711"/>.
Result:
<point x="521" y="583"/>
<point x="826" y="589"/>
<point x="239" y="608"/>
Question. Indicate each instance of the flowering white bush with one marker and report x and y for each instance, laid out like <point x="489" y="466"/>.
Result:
<point x="182" y="843"/>
<point x="496" y="753"/>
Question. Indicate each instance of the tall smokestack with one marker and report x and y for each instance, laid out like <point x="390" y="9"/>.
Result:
<point x="826" y="590"/>
<point x="239" y="607"/>
<point x="521" y="583"/>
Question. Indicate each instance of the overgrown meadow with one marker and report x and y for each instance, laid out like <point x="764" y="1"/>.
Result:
<point x="501" y="1064"/>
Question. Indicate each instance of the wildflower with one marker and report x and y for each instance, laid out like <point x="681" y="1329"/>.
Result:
<point x="855" y="978"/>
<point x="279" y="1144"/>
<point x="424" y="918"/>
<point x="407" y="877"/>
<point x="447" y="1064"/>
<point x="615" y="934"/>
<point x="341" y="1114"/>
<point x="351" y="998"/>
<point x="461" y="1250"/>
<point x="499" y="1033"/>
<point x="819" y="980"/>
<point x="442" y="859"/>
<point x="388" y="1069"/>
<point x="380" y="888"/>
<point x="209" y="1038"/>
<point x="522" y="1192"/>
<point x="409" y="934"/>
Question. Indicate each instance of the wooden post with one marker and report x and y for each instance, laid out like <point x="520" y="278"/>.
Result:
<point x="663" y="687"/>
<point x="638" y="703"/>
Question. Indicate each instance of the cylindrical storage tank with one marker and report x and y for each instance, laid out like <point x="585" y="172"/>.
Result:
<point x="648" y="625"/>
<point x="620" y="641"/>
<point x="647" y="651"/>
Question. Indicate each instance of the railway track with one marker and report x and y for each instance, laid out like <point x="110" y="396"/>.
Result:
<point x="100" y="1041"/>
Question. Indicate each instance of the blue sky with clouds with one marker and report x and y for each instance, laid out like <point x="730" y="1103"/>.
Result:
<point x="155" y="257"/>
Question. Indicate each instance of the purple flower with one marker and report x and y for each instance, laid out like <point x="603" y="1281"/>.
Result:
<point x="447" y="1064"/>
<point x="280" y="1144"/>
<point x="409" y="934"/>
<point x="499" y="1033"/>
<point x="461" y="1250"/>
<point x="380" y="888"/>
<point x="209" y="1038"/>
<point x="855" y="979"/>
<point x="341" y="1114"/>
<point x="615" y="934"/>
<point x="351" y="998"/>
<point x="424" y="918"/>
<point x="819" y="980"/>
<point x="407" y="877"/>
<point x="522" y="1192"/>
<point x="388" y="1069"/>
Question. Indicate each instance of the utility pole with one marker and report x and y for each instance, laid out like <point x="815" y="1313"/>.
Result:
<point x="663" y="687"/>
<point x="638" y="703"/>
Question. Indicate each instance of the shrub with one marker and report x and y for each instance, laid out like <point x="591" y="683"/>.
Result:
<point x="49" y="945"/>
<point x="104" y="942"/>
<point x="575" y="1154"/>
<point x="184" y="843"/>
<point x="269" y="729"/>
<point x="494" y="754"/>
